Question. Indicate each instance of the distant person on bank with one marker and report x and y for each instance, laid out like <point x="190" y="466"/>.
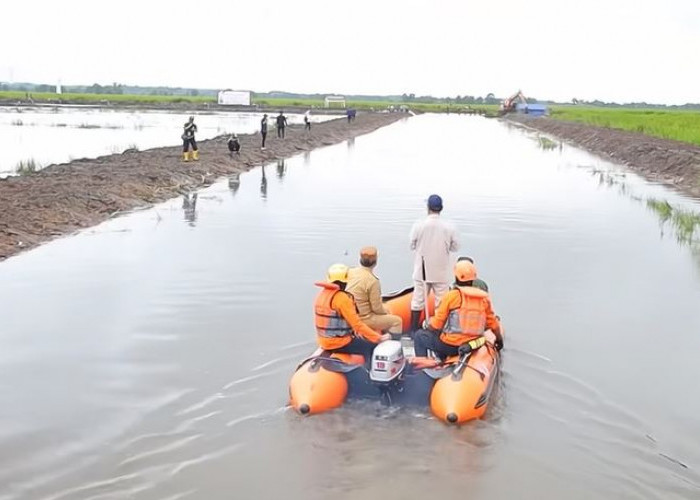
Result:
<point x="431" y="239"/>
<point x="307" y="120"/>
<point x="234" y="145"/>
<point x="281" y="124"/>
<point x="188" y="140"/>
<point x="263" y="130"/>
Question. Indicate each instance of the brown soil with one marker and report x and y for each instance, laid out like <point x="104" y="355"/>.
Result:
<point x="660" y="160"/>
<point x="63" y="198"/>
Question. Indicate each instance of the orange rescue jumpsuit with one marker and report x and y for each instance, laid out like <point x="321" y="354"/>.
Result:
<point x="338" y="326"/>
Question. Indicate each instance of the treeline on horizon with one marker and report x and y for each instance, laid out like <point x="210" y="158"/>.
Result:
<point x="118" y="88"/>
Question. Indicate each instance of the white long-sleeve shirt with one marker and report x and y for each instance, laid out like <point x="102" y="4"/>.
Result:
<point x="433" y="239"/>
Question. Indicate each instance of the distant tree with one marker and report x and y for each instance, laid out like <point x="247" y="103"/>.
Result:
<point x="194" y="92"/>
<point x="574" y="101"/>
<point x="490" y="98"/>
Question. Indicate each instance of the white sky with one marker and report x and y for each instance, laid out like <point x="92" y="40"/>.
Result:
<point x="621" y="50"/>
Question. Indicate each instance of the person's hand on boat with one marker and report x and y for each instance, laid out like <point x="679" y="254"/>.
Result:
<point x="385" y="336"/>
<point x="464" y="349"/>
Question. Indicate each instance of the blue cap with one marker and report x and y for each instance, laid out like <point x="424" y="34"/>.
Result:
<point x="434" y="203"/>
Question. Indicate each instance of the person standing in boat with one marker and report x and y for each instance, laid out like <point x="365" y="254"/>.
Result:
<point x="461" y="319"/>
<point x="364" y="286"/>
<point x="338" y="326"/>
<point x="188" y="140"/>
<point x="431" y="239"/>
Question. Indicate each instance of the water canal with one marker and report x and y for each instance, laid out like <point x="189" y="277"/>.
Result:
<point x="148" y="357"/>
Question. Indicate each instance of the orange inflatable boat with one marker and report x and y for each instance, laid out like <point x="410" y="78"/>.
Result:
<point x="457" y="389"/>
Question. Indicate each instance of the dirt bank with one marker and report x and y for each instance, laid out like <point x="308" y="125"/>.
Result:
<point x="660" y="160"/>
<point x="63" y="198"/>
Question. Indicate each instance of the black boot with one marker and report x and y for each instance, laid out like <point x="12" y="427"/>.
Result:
<point x="415" y="322"/>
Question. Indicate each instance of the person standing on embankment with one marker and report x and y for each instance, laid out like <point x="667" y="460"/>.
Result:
<point x="432" y="239"/>
<point x="281" y="124"/>
<point x="188" y="140"/>
<point x="263" y="130"/>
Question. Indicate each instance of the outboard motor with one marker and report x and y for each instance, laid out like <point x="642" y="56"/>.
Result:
<point x="388" y="366"/>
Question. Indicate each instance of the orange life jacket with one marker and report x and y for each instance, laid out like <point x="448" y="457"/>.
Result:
<point x="468" y="321"/>
<point x="329" y="323"/>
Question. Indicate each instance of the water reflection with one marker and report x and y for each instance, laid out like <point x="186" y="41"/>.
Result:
<point x="234" y="182"/>
<point x="189" y="206"/>
<point x="351" y="143"/>
<point x="263" y="184"/>
<point x="307" y="157"/>
<point x="281" y="169"/>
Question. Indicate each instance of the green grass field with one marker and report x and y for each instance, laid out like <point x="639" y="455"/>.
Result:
<point x="262" y="101"/>
<point x="97" y="98"/>
<point x="428" y="107"/>
<point x="667" y="124"/>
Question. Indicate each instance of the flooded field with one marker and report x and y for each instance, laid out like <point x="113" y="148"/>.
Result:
<point x="57" y="135"/>
<point x="148" y="358"/>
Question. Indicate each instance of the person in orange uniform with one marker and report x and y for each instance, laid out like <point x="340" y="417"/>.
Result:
<point x="338" y="325"/>
<point x="464" y="315"/>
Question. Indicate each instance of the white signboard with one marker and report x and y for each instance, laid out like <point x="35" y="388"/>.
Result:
<point x="234" y="97"/>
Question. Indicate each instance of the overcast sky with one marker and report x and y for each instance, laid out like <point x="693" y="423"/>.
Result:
<point x="620" y="50"/>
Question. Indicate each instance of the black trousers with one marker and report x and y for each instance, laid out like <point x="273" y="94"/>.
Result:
<point x="307" y="125"/>
<point x="264" y="136"/>
<point x="280" y="132"/>
<point x="187" y="142"/>
<point x="427" y="339"/>
<point x="358" y="346"/>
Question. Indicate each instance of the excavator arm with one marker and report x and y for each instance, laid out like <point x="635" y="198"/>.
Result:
<point x="509" y="103"/>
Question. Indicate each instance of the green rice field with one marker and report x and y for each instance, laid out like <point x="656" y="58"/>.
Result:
<point x="437" y="107"/>
<point x="679" y="125"/>
<point x="98" y="98"/>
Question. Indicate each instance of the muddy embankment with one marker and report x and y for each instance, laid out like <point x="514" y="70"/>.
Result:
<point x="63" y="198"/>
<point x="673" y="163"/>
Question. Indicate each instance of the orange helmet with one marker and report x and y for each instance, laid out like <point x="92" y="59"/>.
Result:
<point x="465" y="271"/>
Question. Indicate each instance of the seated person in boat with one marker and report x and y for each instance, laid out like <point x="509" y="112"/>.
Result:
<point x="464" y="315"/>
<point x="338" y="326"/>
<point x="478" y="282"/>
<point x="364" y="286"/>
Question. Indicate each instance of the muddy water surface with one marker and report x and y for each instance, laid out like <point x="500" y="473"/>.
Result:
<point x="148" y="358"/>
<point x="62" y="134"/>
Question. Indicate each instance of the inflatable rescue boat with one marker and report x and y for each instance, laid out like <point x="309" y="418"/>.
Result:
<point x="457" y="389"/>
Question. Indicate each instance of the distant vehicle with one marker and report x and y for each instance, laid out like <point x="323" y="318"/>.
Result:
<point x="518" y="103"/>
<point x="509" y="104"/>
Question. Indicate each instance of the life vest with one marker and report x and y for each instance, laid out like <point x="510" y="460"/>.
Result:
<point x="329" y="323"/>
<point x="468" y="321"/>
